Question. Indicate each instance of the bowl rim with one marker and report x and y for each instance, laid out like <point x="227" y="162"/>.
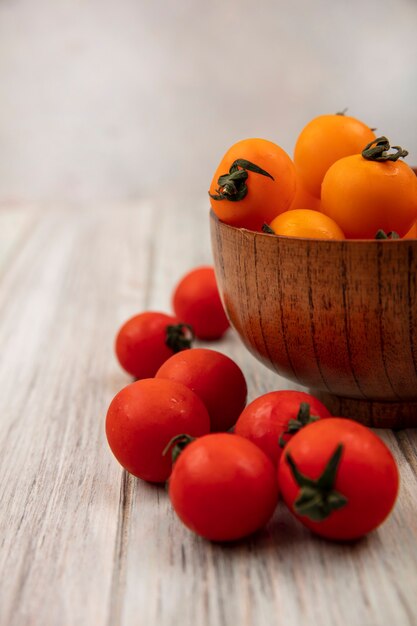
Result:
<point x="320" y="241"/>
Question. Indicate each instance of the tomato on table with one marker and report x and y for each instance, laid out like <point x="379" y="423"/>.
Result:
<point x="271" y="420"/>
<point x="371" y="191"/>
<point x="223" y="487"/>
<point x="143" y="418"/>
<point x="338" y="478"/>
<point x="322" y="142"/>
<point x="215" y="378"/>
<point x="146" y="340"/>
<point x="197" y="302"/>
<point x="254" y="181"/>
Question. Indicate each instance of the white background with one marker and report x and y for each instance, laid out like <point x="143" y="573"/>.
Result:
<point x="104" y="101"/>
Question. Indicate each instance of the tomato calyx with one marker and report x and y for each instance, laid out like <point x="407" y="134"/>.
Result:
<point x="232" y="186"/>
<point x="381" y="234"/>
<point x="377" y="150"/>
<point x="318" y="498"/>
<point x="177" y="443"/>
<point x="294" y="425"/>
<point x="179" y="337"/>
<point x="267" y="229"/>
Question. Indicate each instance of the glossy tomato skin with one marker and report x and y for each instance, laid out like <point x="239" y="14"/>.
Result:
<point x="412" y="233"/>
<point x="215" y="378"/>
<point x="265" y="420"/>
<point x="306" y="223"/>
<point x="365" y="196"/>
<point x="265" y="197"/>
<point x="141" y="343"/>
<point x="304" y="200"/>
<point x="196" y="301"/>
<point x="223" y="487"/>
<point x="322" y="142"/>
<point x="367" y="476"/>
<point x="143" y="418"/>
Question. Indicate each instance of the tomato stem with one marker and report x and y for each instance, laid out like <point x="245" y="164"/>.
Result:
<point x="232" y="186"/>
<point x="294" y="425"/>
<point x="267" y="229"/>
<point x="317" y="499"/>
<point x="178" y="443"/>
<point x="377" y="150"/>
<point x="179" y="336"/>
<point x="381" y="234"/>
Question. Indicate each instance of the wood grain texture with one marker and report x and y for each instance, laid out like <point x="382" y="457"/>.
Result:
<point x="84" y="543"/>
<point x="337" y="316"/>
<point x="16" y="223"/>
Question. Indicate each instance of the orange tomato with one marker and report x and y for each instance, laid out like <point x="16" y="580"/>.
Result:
<point x="412" y="233"/>
<point x="304" y="200"/>
<point x="326" y="139"/>
<point x="254" y="182"/>
<point x="306" y="223"/>
<point x="364" y="194"/>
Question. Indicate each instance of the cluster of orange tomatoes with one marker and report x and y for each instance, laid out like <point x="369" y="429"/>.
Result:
<point x="184" y="420"/>
<point x="344" y="182"/>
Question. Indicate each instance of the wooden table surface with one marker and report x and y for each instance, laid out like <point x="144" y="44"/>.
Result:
<point x="82" y="542"/>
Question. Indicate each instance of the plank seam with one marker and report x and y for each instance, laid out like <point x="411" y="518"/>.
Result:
<point x="118" y="581"/>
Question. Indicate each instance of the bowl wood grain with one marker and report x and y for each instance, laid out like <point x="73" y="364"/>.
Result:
<point x="339" y="317"/>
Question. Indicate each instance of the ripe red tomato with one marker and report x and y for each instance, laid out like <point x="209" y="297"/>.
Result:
<point x="223" y="487"/>
<point x="143" y="418"/>
<point x="275" y="417"/>
<point x="196" y="301"/>
<point x="338" y="478"/>
<point x="215" y="378"/>
<point x="146" y="340"/>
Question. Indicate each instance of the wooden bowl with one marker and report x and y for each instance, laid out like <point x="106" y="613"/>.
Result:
<point x="339" y="317"/>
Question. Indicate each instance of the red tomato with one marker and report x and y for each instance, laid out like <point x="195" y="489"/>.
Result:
<point x="223" y="487"/>
<point x="215" y="378"/>
<point x="275" y="417"/>
<point x="338" y="478"/>
<point x="146" y="340"/>
<point x="197" y="302"/>
<point x="144" y="417"/>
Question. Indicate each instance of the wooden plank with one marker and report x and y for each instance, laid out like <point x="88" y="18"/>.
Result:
<point x="283" y="575"/>
<point x="81" y="541"/>
<point x="61" y="517"/>
<point x="15" y="225"/>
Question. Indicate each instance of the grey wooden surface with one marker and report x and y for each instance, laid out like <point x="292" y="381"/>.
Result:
<point x="82" y="542"/>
